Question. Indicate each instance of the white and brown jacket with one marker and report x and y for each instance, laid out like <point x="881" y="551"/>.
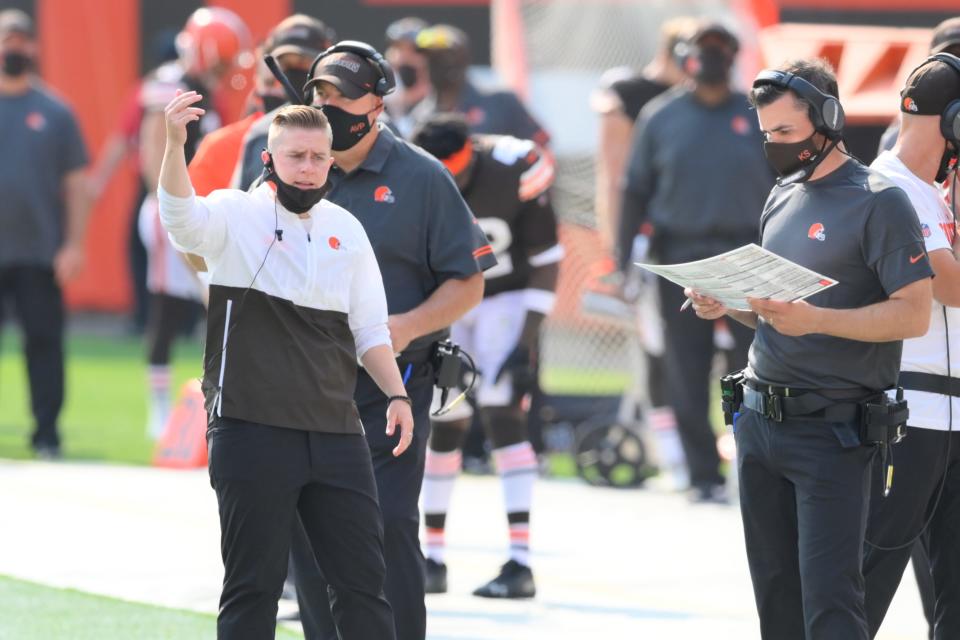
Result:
<point x="282" y="351"/>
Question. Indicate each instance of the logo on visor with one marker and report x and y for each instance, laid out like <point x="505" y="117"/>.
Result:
<point x="910" y="105"/>
<point x="383" y="194"/>
<point x="346" y="64"/>
<point x="817" y="232"/>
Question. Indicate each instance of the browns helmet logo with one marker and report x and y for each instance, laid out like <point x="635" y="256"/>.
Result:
<point x="334" y="242"/>
<point x="476" y="116"/>
<point x="740" y="125"/>
<point x="817" y="232"/>
<point x="36" y="121"/>
<point x="910" y="105"/>
<point x="383" y="194"/>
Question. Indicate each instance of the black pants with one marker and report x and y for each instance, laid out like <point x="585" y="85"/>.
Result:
<point x="168" y="317"/>
<point x="399" y="480"/>
<point x="137" y="256"/>
<point x="689" y="358"/>
<point x="919" y="463"/>
<point x="38" y="305"/>
<point x="269" y="478"/>
<point x="920" y="561"/>
<point x="804" y="498"/>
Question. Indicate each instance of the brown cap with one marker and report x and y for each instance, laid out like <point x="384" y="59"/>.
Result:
<point x="405" y="30"/>
<point x="715" y="28"/>
<point x="299" y="34"/>
<point x="15" y="21"/>
<point x="352" y="74"/>
<point x="946" y="35"/>
<point x="929" y="89"/>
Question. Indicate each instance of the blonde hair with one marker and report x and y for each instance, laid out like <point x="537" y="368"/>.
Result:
<point x="298" y="116"/>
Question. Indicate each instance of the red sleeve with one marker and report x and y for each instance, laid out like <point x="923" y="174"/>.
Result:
<point x="216" y="158"/>
<point x="131" y="115"/>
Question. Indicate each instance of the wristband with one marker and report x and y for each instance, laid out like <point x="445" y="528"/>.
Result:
<point x="406" y="399"/>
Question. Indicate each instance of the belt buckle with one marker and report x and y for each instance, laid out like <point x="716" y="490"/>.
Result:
<point x="772" y="407"/>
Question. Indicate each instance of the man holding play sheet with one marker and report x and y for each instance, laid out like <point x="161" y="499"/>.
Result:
<point x="810" y="411"/>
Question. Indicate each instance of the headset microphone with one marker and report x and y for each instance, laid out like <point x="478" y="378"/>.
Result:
<point x="296" y="97"/>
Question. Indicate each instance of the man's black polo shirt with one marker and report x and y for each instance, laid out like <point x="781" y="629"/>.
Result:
<point x="421" y="230"/>
<point x="855" y="226"/>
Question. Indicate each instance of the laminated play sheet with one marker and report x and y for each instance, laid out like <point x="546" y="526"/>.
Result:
<point x="748" y="272"/>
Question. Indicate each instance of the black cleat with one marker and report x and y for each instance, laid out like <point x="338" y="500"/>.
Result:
<point x="708" y="494"/>
<point x="435" y="577"/>
<point x="47" y="452"/>
<point x="515" y="581"/>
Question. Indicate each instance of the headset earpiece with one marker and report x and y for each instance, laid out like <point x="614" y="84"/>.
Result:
<point x="950" y="124"/>
<point x="831" y="116"/>
<point x="681" y="54"/>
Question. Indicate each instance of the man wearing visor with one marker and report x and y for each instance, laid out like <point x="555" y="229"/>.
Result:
<point x="431" y="255"/>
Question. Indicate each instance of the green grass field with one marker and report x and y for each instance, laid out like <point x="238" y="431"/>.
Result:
<point x="34" y="612"/>
<point x="105" y="412"/>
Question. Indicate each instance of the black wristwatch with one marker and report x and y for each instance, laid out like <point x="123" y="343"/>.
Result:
<point x="402" y="398"/>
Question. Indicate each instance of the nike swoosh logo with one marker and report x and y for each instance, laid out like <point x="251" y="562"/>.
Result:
<point x="915" y="259"/>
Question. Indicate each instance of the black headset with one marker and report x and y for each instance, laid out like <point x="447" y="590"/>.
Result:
<point x="681" y="53"/>
<point x="950" y="118"/>
<point x="826" y="112"/>
<point x="388" y="80"/>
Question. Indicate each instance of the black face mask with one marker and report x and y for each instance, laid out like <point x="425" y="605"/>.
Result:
<point x="408" y="74"/>
<point x="294" y="198"/>
<point x="297" y="77"/>
<point x="948" y="162"/>
<point x="714" y="66"/>
<point x="271" y="102"/>
<point x="796" y="161"/>
<point x="16" y="63"/>
<point x="348" y="128"/>
<point x="446" y="72"/>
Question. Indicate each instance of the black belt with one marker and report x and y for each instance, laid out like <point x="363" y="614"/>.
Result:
<point x="777" y="403"/>
<point x="416" y="357"/>
<point x="930" y="382"/>
<point x="413" y="358"/>
<point x="839" y="395"/>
